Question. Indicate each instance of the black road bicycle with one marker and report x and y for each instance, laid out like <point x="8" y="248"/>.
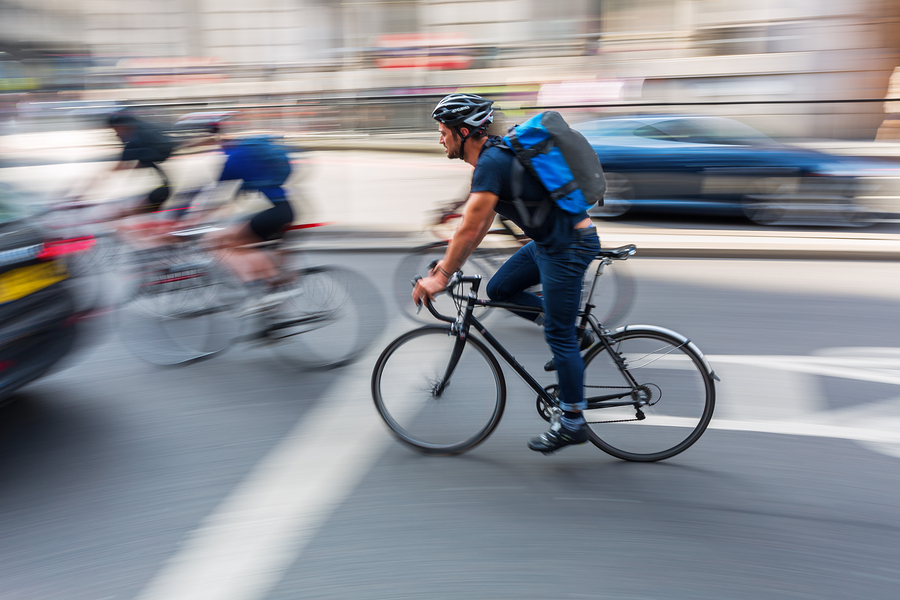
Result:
<point x="440" y="389"/>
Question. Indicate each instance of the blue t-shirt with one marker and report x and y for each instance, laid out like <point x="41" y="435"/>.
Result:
<point x="492" y="174"/>
<point x="260" y="170"/>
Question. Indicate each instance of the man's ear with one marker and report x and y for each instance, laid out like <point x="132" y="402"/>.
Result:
<point x="464" y="132"/>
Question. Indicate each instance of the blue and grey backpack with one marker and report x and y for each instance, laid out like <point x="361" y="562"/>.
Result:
<point x="561" y="159"/>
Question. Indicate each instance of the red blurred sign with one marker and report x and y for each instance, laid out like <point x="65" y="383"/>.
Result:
<point x="423" y="51"/>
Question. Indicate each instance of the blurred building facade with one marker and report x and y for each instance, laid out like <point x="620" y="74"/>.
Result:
<point x="672" y="51"/>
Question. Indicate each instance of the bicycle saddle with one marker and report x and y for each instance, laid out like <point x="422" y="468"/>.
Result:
<point x="620" y="253"/>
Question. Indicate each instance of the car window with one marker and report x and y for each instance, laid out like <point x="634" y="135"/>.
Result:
<point x="654" y="133"/>
<point x="10" y="208"/>
<point x="613" y="127"/>
<point x="711" y="130"/>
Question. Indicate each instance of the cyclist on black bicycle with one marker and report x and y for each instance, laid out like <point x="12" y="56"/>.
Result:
<point x="563" y="246"/>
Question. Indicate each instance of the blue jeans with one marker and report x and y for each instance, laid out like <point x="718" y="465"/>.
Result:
<point x="560" y="274"/>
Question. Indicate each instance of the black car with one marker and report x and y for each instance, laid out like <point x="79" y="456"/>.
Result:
<point x="39" y="319"/>
<point x="703" y="165"/>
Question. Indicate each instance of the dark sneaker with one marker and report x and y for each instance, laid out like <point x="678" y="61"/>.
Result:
<point x="587" y="340"/>
<point x="557" y="437"/>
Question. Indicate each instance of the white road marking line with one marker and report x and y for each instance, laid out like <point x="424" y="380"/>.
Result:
<point x="242" y="549"/>
<point x="750" y="392"/>
<point x="876" y="369"/>
<point x="858" y="434"/>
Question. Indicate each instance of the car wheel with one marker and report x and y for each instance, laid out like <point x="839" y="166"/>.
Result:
<point x="766" y="200"/>
<point x="854" y="214"/>
<point x="617" y="199"/>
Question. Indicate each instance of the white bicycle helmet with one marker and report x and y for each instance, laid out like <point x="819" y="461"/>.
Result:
<point x="460" y="110"/>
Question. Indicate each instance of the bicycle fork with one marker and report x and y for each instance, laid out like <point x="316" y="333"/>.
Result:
<point x="460" y="329"/>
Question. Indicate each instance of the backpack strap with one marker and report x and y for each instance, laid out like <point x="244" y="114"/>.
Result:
<point x="521" y="162"/>
<point x="162" y="174"/>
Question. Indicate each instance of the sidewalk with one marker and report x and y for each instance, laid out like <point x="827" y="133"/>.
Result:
<point x="379" y="201"/>
<point x="652" y="242"/>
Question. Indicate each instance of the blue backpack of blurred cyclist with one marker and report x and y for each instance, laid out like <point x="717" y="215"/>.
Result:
<point x="262" y="162"/>
<point x="561" y="159"/>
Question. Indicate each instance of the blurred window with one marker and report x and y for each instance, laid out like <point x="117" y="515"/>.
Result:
<point x="631" y="16"/>
<point x="10" y="209"/>
<point x="724" y="41"/>
<point x="607" y="128"/>
<point x="652" y="133"/>
<point x="706" y="130"/>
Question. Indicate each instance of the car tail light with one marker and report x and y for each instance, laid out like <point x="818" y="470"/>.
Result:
<point x="58" y="248"/>
<point x="5" y="364"/>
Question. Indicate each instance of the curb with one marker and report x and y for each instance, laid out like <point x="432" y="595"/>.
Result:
<point x="882" y="247"/>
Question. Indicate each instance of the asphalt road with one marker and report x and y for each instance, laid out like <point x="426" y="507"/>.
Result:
<point x="238" y="478"/>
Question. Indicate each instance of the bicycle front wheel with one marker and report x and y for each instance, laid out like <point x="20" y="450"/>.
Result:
<point x="438" y="394"/>
<point x="674" y="387"/>
<point x="180" y="314"/>
<point x="329" y="319"/>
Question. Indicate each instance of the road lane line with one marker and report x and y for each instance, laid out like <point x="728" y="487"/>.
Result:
<point x="811" y="429"/>
<point x="242" y="550"/>
<point x="876" y="370"/>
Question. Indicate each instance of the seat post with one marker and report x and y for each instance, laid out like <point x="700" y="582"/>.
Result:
<point x="603" y="262"/>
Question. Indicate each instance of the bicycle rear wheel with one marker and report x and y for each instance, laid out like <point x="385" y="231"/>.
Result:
<point x="180" y="314"/>
<point x="329" y="319"/>
<point x="427" y="409"/>
<point x="680" y="395"/>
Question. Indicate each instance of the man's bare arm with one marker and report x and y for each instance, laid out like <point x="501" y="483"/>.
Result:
<point x="477" y="218"/>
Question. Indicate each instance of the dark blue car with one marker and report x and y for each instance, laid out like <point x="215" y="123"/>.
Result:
<point x="702" y="165"/>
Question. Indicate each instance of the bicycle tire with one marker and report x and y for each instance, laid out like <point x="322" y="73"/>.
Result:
<point x="681" y="388"/>
<point x="180" y="314"/>
<point x="331" y="317"/>
<point x="465" y="411"/>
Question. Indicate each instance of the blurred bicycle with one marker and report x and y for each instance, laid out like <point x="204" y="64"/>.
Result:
<point x="178" y="313"/>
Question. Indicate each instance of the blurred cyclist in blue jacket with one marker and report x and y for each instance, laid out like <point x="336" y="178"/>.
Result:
<point x="253" y="164"/>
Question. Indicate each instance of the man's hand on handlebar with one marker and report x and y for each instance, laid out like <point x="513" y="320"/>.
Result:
<point x="427" y="287"/>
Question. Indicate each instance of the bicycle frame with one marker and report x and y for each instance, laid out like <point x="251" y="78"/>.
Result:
<point x="466" y="320"/>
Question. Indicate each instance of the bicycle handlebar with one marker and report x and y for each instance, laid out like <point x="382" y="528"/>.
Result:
<point x="456" y="279"/>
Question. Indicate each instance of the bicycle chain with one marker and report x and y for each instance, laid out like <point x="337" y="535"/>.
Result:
<point x="610" y="387"/>
<point x="613" y="421"/>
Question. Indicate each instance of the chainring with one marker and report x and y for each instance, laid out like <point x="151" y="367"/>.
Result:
<point x="544" y="409"/>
